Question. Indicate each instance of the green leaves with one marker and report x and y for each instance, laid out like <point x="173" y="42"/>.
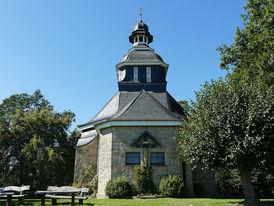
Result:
<point x="35" y="144"/>
<point x="250" y="57"/>
<point x="228" y="125"/>
<point x="144" y="179"/>
<point x="171" y="186"/>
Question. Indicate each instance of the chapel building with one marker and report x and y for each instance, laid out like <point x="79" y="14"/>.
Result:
<point x="138" y="125"/>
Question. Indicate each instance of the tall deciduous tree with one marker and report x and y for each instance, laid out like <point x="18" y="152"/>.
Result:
<point x="35" y="145"/>
<point x="230" y="124"/>
<point x="250" y="56"/>
<point x="231" y="127"/>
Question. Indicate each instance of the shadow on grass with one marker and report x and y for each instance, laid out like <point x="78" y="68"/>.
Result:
<point x="263" y="203"/>
<point x="267" y="203"/>
<point x="37" y="202"/>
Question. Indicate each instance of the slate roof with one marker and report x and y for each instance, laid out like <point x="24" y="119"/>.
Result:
<point x="141" y="54"/>
<point x="142" y="106"/>
<point x="156" y="105"/>
<point x="87" y="137"/>
<point x="140" y="28"/>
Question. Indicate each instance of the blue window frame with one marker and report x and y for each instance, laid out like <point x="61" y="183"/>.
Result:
<point x="157" y="158"/>
<point x="133" y="158"/>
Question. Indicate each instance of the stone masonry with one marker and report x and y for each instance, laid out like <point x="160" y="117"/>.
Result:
<point x="84" y="156"/>
<point x="118" y="141"/>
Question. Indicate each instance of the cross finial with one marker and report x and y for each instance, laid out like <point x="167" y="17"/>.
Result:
<point x="140" y="14"/>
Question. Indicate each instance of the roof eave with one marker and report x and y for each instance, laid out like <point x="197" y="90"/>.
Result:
<point x="121" y="64"/>
<point x="117" y="123"/>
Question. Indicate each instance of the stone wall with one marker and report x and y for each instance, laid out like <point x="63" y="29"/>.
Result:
<point x="123" y="137"/>
<point x="104" y="160"/>
<point x="84" y="156"/>
<point x="113" y="144"/>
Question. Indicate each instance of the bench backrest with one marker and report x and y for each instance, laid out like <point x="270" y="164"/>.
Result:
<point x="68" y="188"/>
<point x="16" y="189"/>
<point x="63" y="188"/>
<point x="52" y="188"/>
<point x="83" y="191"/>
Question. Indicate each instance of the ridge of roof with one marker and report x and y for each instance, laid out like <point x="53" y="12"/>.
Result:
<point x="169" y="99"/>
<point x="165" y="108"/>
<point x="114" y="98"/>
<point x="162" y="106"/>
<point x="127" y="108"/>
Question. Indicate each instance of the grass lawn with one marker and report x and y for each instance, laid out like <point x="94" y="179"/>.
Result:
<point x="153" y="202"/>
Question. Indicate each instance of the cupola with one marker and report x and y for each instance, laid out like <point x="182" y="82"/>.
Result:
<point x="140" y="34"/>
<point x="141" y="68"/>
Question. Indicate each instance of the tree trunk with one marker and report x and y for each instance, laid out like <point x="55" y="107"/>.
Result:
<point x="188" y="182"/>
<point x="248" y="189"/>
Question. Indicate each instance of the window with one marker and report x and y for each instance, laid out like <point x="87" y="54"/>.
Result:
<point x="148" y="74"/>
<point x="133" y="158"/>
<point x="135" y="74"/>
<point x="157" y="158"/>
<point x="141" y="39"/>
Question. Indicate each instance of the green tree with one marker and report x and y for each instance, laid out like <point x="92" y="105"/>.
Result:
<point x="35" y="144"/>
<point x="250" y="56"/>
<point x="185" y="105"/>
<point x="231" y="122"/>
<point x="231" y="127"/>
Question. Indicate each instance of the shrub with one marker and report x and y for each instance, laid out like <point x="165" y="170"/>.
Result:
<point x="88" y="173"/>
<point x="88" y="179"/>
<point x="93" y="185"/>
<point x="171" y="186"/>
<point x="118" y="188"/>
<point x="134" y="190"/>
<point x="143" y="179"/>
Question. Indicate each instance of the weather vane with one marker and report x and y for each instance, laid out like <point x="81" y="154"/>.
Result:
<point x="140" y="14"/>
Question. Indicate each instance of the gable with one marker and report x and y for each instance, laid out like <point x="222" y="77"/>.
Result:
<point x="144" y="107"/>
<point x="145" y="140"/>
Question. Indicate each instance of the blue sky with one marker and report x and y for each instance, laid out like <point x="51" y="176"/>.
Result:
<point x="69" y="48"/>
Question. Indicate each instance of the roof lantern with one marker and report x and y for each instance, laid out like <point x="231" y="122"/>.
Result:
<point x="140" y="34"/>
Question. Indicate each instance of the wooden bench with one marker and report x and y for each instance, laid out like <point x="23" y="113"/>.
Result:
<point x="65" y="192"/>
<point x="17" y="193"/>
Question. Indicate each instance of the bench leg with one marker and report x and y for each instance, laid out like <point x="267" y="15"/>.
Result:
<point x="80" y="201"/>
<point x="9" y="197"/>
<point x="20" y="201"/>
<point x="73" y="199"/>
<point x="54" y="201"/>
<point x="43" y="200"/>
